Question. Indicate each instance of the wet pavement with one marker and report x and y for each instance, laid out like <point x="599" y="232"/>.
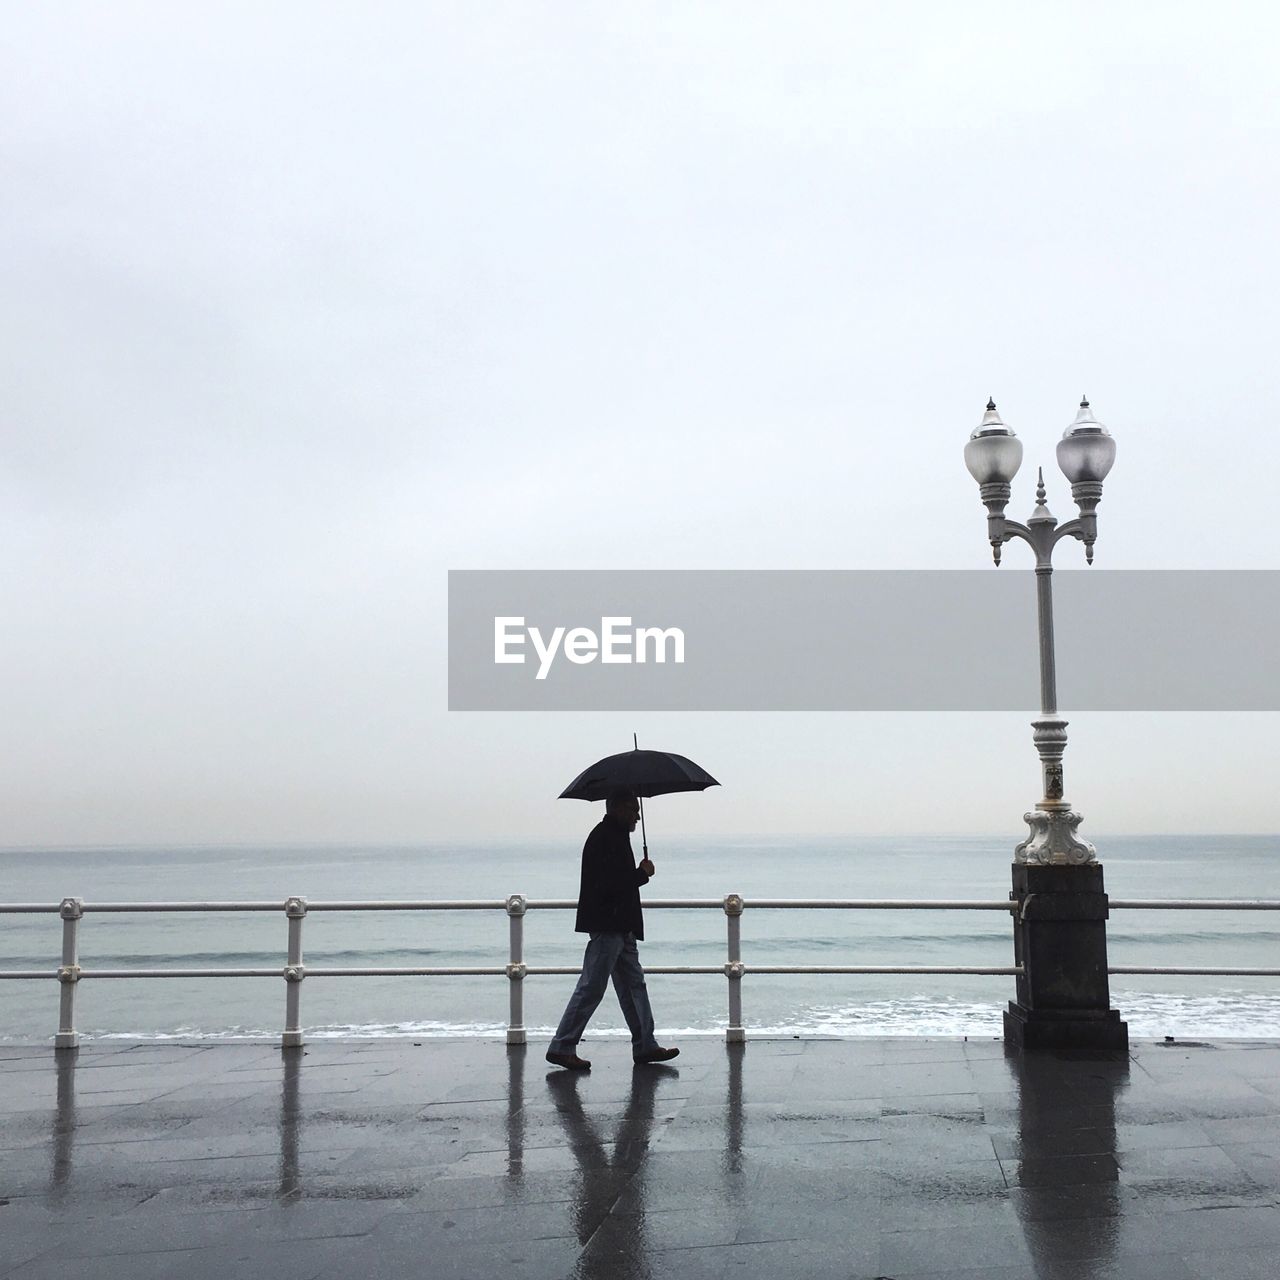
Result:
<point x="877" y="1158"/>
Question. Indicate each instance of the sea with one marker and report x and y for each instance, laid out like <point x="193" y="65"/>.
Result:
<point x="1225" y="866"/>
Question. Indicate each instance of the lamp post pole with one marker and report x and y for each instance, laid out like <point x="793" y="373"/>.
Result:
<point x="1063" y="996"/>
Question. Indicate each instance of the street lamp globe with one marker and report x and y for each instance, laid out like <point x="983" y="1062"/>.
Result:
<point x="993" y="453"/>
<point x="1087" y="449"/>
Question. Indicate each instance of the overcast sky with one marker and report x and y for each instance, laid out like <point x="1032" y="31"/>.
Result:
<point x="307" y="304"/>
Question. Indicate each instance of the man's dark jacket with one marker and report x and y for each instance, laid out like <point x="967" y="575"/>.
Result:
<point x="609" y="895"/>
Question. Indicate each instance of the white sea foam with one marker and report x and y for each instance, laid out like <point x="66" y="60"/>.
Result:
<point x="1150" y="1015"/>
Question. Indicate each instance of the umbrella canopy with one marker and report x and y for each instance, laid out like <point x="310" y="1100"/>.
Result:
<point x="647" y="773"/>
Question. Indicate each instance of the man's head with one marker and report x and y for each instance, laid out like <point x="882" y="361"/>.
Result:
<point x="623" y="807"/>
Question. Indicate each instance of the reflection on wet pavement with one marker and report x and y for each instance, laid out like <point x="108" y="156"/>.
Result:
<point x="864" y="1158"/>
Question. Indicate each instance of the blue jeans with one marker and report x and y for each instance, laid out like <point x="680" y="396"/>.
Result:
<point x="609" y="955"/>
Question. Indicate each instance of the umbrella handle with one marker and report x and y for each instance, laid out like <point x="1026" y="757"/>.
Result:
<point x="644" y="838"/>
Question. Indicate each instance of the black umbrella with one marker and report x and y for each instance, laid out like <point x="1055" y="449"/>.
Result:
<point x="647" y="773"/>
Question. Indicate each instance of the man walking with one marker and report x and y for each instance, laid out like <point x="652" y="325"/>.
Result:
<point x="609" y="910"/>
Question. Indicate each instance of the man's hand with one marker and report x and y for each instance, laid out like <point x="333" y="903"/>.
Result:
<point x="646" y="867"/>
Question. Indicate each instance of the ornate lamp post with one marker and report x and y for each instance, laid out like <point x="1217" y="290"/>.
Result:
<point x="1060" y="927"/>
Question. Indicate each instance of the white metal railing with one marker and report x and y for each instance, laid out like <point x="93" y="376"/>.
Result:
<point x="1195" y="904"/>
<point x="72" y="910"/>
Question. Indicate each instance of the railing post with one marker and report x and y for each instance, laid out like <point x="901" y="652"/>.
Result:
<point x="516" y="969"/>
<point x="734" y="1033"/>
<point x="71" y="910"/>
<point x="294" y="972"/>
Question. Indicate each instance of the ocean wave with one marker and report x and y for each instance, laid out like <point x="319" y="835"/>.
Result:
<point x="1211" y="947"/>
<point x="334" y="1031"/>
<point x="861" y="940"/>
<point x="1180" y="937"/>
<point x="1227" y="1015"/>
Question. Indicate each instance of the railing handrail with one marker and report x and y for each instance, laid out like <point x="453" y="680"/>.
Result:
<point x="568" y="904"/>
<point x="531" y="904"/>
<point x="1194" y="904"/>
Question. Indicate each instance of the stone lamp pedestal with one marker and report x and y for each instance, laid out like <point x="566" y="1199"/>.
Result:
<point x="1060" y="940"/>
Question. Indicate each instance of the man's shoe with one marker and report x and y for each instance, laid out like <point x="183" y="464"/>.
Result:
<point x="569" y="1061"/>
<point x="658" y="1055"/>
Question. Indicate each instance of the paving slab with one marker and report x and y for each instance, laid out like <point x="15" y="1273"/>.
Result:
<point x="859" y="1159"/>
